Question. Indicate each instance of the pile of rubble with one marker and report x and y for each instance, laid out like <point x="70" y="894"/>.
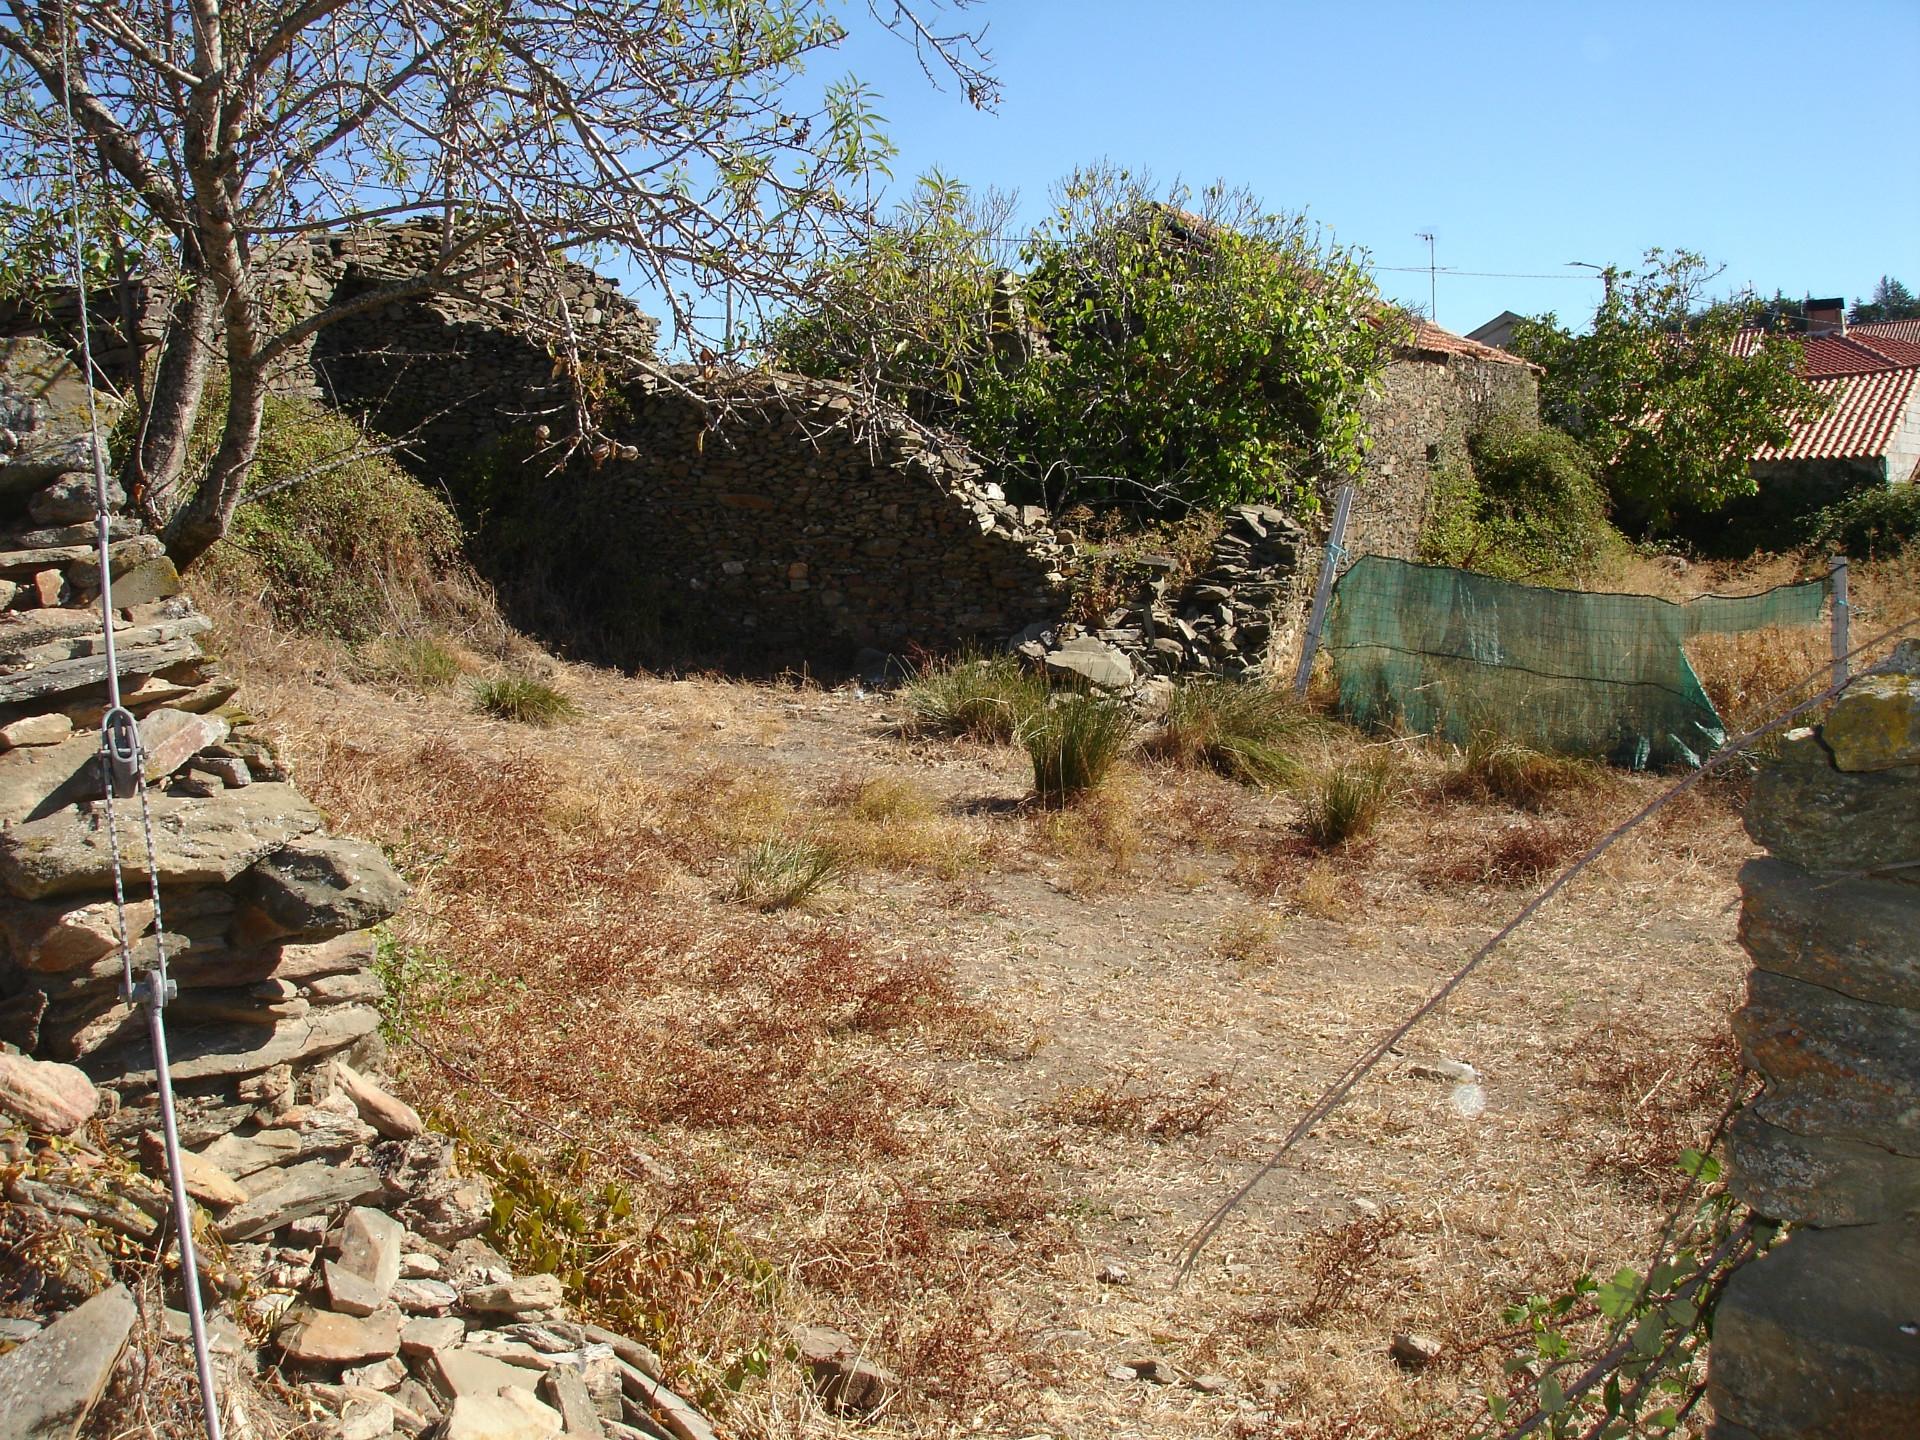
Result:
<point x="1221" y="622"/>
<point x="339" y="1237"/>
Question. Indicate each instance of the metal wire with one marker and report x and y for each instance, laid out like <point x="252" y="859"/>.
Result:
<point x="123" y="768"/>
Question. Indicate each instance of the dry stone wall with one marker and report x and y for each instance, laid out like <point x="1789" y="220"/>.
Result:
<point x="1817" y="1340"/>
<point x="331" y="1218"/>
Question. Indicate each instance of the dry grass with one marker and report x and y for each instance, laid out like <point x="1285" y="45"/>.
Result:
<point x="927" y="1115"/>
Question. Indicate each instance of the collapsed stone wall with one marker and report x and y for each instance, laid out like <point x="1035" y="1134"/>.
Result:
<point x="330" y="1217"/>
<point x="1816" y="1340"/>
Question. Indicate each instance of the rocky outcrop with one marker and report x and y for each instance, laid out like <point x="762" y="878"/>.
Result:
<point x="1815" y="1341"/>
<point x="338" y="1224"/>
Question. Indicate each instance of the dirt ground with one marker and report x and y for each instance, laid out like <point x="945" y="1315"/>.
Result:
<point x="969" y="1104"/>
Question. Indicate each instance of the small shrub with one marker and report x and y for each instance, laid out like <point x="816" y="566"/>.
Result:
<point x="423" y="662"/>
<point x="974" y="697"/>
<point x="1242" y="730"/>
<point x="1345" y="804"/>
<point x="522" y="699"/>
<point x="779" y="873"/>
<point x="1074" y="743"/>
<point x="1526" y="507"/>
<point x="1520" y="854"/>
<point x="1874" y="524"/>
<point x="1493" y="767"/>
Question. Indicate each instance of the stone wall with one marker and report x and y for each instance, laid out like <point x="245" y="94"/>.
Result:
<point x="1430" y="401"/>
<point x="346" y="1230"/>
<point x="1816" y="1340"/>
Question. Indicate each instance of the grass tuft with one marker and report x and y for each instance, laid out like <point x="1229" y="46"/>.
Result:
<point x="1494" y="767"/>
<point x="421" y="662"/>
<point x="522" y="699"/>
<point x="975" y="697"/>
<point x="780" y="873"/>
<point x="1245" y="731"/>
<point x="1345" y="804"/>
<point x="1074" y="743"/>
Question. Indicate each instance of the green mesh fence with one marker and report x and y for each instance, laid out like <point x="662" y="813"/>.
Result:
<point x="1448" y="652"/>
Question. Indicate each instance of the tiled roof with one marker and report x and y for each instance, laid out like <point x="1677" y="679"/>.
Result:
<point x="1854" y="353"/>
<point x="1430" y="339"/>
<point x="1858" y="422"/>
<point x="1892" y="329"/>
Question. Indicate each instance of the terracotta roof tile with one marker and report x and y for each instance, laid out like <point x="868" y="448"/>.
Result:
<point x="1892" y="329"/>
<point x="1858" y="423"/>
<point x="1430" y="339"/>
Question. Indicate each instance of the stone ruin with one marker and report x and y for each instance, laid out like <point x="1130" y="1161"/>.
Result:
<point x="1819" y="1339"/>
<point x="771" y="521"/>
<point x="339" y="1237"/>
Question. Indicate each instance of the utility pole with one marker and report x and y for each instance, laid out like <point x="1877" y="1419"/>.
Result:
<point x="1433" y="279"/>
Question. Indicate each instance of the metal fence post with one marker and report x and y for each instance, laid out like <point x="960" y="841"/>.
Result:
<point x="1842" y="615"/>
<point x="1323" y="588"/>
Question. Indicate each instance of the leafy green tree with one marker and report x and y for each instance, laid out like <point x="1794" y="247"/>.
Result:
<point x="1152" y="353"/>
<point x="1891" y="301"/>
<point x="214" y="132"/>
<point x="1667" y="401"/>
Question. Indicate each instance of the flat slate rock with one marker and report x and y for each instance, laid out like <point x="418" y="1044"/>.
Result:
<point x="322" y="1337"/>
<point x="1817" y="1180"/>
<point x="1857" y="935"/>
<point x="220" y="1052"/>
<point x="196" y="841"/>
<point x="304" y="1190"/>
<point x="50" y="1384"/>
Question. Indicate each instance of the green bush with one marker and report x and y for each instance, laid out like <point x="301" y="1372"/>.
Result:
<point x="1243" y="730"/>
<point x="978" y="697"/>
<point x="338" y="545"/>
<point x="522" y="699"/>
<point x="1073" y="742"/>
<point x="1874" y="524"/>
<point x="779" y="873"/>
<point x="1526" y="506"/>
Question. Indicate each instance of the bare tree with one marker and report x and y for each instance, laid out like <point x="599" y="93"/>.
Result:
<point x="685" y="133"/>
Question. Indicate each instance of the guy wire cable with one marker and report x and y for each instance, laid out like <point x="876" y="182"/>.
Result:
<point x="122" y="766"/>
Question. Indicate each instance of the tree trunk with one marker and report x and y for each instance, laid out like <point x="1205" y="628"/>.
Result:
<point x="159" y="462"/>
<point x="199" y="524"/>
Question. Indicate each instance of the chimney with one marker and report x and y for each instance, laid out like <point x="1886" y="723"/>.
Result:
<point x="1827" y="316"/>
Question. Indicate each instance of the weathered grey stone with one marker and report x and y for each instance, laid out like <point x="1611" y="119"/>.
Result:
<point x="51" y="1383"/>
<point x="1875" y="724"/>
<point x="1829" y="820"/>
<point x="1834" y="1066"/>
<point x="123" y="557"/>
<point x="53" y="1099"/>
<point x="566" y="1392"/>
<point x="1814" y="1341"/>
<point x="304" y="1190"/>
<point x="361" y="1279"/>
<point x="196" y="842"/>
<point x="211" y="1052"/>
<point x="151" y="580"/>
<point x="425" y="1296"/>
<point x="424" y="1334"/>
<point x="323" y="885"/>
<point x="1855" y="935"/>
<point x="71" y="498"/>
<point x="519" y="1296"/>
<point x="45" y="458"/>
<point x="169" y="738"/>
<point x="38" y="780"/>
<point x="1094" y="661"/>
<point x="1817" y="1180"/>
<point x="322" y="1337"/>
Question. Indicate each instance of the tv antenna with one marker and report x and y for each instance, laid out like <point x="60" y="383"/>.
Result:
<point x="1433" y="278"/>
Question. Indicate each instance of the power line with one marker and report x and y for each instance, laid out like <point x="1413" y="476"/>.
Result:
<point x="1477" y="274"/>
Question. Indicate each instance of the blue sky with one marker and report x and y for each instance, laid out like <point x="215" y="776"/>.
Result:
<point x="1776" y="138"/>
